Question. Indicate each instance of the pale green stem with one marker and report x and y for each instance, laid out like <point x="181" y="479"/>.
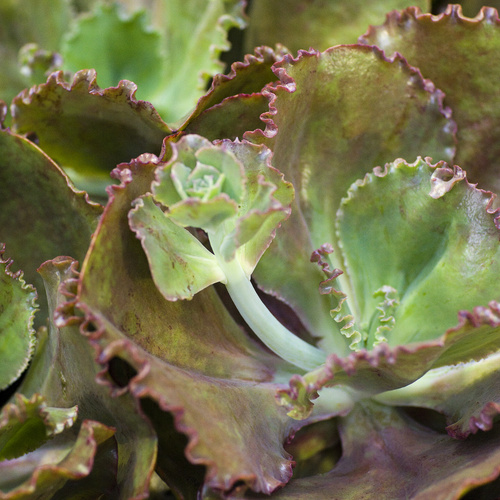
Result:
<point x="258" y="317"/>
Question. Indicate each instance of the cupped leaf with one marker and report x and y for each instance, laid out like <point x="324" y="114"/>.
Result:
<point x="190" y="357"/>
<point x="445" y="48"/>
<point x="386" y="454"/>
<point x="17" y="310"/>
<point x="95" y="129"/>
<point x="328" y="125"/>
<point x="234" y="103"/>
<point x="428" y="235"/>
<point x="64" y="370"/>
<point x="318" y="23"/>
<point x="54" y="219"/>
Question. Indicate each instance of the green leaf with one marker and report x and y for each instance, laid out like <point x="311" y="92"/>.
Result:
<point x="445" y="48"/>
<point x="429" y="235"/>
<point x="170" y="56"/>
<point x="185" y="353"/>
<point x="95" y="129"/>
<point x="317" y="23"/>
<point x="40" y="23"/>
<point x="328" y="126"/>
<point x="45" y="472"/>
<point x="28" y="423"/>
<point x="54" y="220"/>
<point x="17" y="310"/>
<point x="467" y="394"/>
<point x="64" y="372"/>
<point x="117" y="46"/>
<point x="181" y="266"/>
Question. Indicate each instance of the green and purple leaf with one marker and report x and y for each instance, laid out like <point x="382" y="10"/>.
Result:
<point x="460" y="56"/>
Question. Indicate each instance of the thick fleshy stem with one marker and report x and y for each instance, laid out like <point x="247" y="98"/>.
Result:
<point x="262" y="322"/>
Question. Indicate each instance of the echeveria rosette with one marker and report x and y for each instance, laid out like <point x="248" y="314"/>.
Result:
<point x="231" y="191"/>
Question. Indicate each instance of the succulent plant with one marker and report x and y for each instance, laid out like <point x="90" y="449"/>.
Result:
<point x="280" y="280"/>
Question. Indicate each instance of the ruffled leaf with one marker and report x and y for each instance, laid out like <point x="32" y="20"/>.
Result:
<point x="17" y="310"/>
<point x="445" y="48"/>
<point x="385" y="454"/>
<point x="318" y="23"/>
<point x="184" y="353"/>
<point x="175" y="52"/>
<point x="59" y="467"/>
<point x="327" y="127"/>
<point x="28" y="423"/>
<point x="429" y="235"/>
<point x="33" y="188"/>
<point x="95" y="129"/>
<point x="64" y="370"/>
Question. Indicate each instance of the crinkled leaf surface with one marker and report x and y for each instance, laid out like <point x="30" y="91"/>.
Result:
<point x="459" y="55"/>
<point x="64" y="372"/>
<point x="177" y="49"/>
<point x="95" y="129"/>
<point x="41" y="214"/>
<point x="387" y="455"/>
<point x="17" y="310"/>
<point x="329" y="124"/>
<point x="190" y="356"/>
<point x="318" y="23"/>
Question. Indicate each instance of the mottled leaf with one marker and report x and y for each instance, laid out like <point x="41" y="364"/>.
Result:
<point x="316" y="23"/>
<point x="387" y="455"/>
<point x="328" y="126"/>
<point x="190" y="357"/>
<point x="95" y="129"/>
<point x="459" y="55"/>
<point x="63" y="371"/>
